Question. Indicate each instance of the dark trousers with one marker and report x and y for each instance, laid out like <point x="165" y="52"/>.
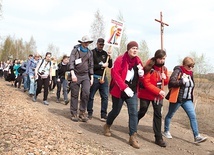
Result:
<point x="83" y="83"/>
<point x="18" y="80"/>
<point x="62" y="85"/>
<point x="40" y="83"/>
<point x="53" y="83"/>
<point x="157" y="116"/>
<point x="5" y="74"/>
<point x="103" y="90"/>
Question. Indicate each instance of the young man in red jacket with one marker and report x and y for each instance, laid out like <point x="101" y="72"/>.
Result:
<point x="126" y="72"/>
<point x="150" y="90"/>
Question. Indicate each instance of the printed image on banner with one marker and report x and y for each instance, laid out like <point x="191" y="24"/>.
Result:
<point x="114" y="33"/>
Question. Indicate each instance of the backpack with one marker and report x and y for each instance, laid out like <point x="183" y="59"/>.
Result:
<point x="20" y="70"/>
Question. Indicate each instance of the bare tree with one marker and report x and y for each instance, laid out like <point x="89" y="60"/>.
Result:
<point x="6" y="48"/>
<point x="97" y="28"/>
<point x="30" y="47"/>
<point x="54" y="50"/>
<point x="144" y="52"/>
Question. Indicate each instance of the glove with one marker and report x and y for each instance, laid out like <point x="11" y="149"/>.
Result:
<point x="140" y="72"/>
<point x="105" y="64"/>
<point x="129" y="92"/>
<point x="163" y="75"/>
<point x="162" y="93"/>
<point x="185" y="80"/>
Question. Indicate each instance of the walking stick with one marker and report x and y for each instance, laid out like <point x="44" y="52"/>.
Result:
<point x="104" y="72"/>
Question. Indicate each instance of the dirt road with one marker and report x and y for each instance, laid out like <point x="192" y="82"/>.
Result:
<point x="31" y="128"/>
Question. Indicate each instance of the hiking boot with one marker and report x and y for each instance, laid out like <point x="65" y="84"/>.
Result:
<point x="83" y="118"/>
<point x="160" y="142"/>
<point x="74" y="118"/>
<point x="34" y="98"/>
<point x="133" y="141"/>
<point x="199" y="139"/>
<point x="66" y="102"/>
<point x="45" y="102"/>
<point x="57" y="101"/>
<point x="107" y="131"/>
<point x="167" y="134"/>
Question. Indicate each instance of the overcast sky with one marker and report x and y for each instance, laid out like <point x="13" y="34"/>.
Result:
<point x="64" y="22"/>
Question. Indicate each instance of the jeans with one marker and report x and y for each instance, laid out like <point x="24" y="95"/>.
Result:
<point x="132" y="104"/>
<point x="190" y="111"/>
<point x="157" y="116"/>
<point x="62" y="84"/>
<point x="26" y="82"/>
<point x="103" y="90"/>
<point x="32" y="89"/>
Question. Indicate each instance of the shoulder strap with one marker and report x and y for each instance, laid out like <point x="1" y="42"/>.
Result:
<point x="41" y="64"/>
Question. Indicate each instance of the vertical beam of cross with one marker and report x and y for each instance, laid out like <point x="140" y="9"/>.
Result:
<point x="162" y="24"/>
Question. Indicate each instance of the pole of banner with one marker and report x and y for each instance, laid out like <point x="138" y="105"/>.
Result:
<point x="162" y="24"/>
<point x="104" y="72"/>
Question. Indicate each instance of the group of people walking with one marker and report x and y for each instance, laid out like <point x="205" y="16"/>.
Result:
<point x="84" y="71"/>
<point x="130" y="81"/>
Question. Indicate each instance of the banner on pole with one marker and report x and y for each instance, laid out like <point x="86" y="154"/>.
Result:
<point x="114" y="33"/>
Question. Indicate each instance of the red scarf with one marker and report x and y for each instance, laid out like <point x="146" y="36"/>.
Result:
<point x="184" y="70"/>
<point x="131" y="61"/>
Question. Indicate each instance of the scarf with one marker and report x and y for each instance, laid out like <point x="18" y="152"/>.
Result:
<point x="82" y="49"/>
<point x="131" y="61"/>
<point x="186" y="71"/>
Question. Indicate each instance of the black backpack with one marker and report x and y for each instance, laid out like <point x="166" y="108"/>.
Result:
<point x="20" y="70"/>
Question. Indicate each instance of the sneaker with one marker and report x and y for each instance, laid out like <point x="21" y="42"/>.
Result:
<point x="199" y="139"/>
<point x="66" y="102"/>
<point x="167" y="134"/>
<point x="90" y="116"/>
<point x="160" y="142"/>
<point x="57" y="101"/>
<point x="34" y="98"/>
<point x="83" y="118"/>
<point x="45" y="102"/>
<point x="74" y="118"/>
<point x="103" y="118"/>
<point x="31" y="95"/>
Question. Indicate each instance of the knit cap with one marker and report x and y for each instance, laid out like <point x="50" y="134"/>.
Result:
<point x="132" y="44"/>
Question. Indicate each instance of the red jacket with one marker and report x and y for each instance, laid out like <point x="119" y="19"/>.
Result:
<point x="148" y="88"/>
<point x="118" y="76"/>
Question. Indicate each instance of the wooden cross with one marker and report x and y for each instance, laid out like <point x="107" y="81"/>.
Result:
<point x="161" y="28"/>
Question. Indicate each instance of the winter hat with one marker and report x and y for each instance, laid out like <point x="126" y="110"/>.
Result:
<point x="131" y="44"/>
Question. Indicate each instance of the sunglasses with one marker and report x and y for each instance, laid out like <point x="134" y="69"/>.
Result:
<point x="191" y="66"/>
<point x="101" y="44"/>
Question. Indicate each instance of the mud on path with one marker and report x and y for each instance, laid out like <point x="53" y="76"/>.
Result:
<point x="31" y="128"/>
